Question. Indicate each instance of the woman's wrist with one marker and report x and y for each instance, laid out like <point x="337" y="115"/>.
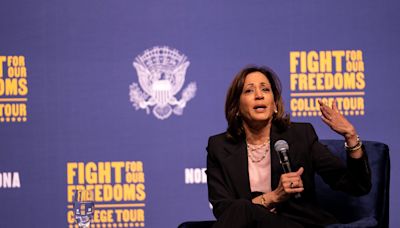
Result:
<point x="266" y="200"/>
<point x="354" y="148"/>
<point x="351" y="138"/>
<point x="263" y="202"/>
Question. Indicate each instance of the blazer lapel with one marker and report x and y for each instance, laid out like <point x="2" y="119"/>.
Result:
<point x="237" y="164"/>
<point x="276" y="168"/>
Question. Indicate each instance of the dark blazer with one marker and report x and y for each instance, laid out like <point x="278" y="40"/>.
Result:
<point x="228" y="177"/>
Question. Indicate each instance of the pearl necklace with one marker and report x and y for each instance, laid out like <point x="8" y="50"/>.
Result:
<point x="254" y="151"/>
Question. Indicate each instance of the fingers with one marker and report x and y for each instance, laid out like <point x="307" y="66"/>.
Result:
<point x="334" y="105"/>
<point x="289" y="183"/>
<point x="325" y="110"/>
<point x="330" y="116"/>
<point x="334" y="119"/>
<point x="300" y="171"/>
<point x="329" y="112"/>
<point x="292" y="182"/>
<point x="295" y="174"/>
<point x="325" y="120"/>
<point x="295" y="186"/>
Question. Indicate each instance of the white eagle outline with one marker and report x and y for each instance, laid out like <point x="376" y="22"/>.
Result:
<point x="160" y="83"/>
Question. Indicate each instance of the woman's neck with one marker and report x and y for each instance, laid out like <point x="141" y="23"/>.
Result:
<point x="257" y="134"/>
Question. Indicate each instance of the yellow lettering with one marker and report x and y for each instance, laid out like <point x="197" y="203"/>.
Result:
<point x="129" y="192"/>
<point x="22" y="87"/>
<point x="311" y="82"/>
<point x="293" y="81"/>
<point x="328" y="81"/>
<point x="2" y="60"/>
<point x="118" y="192"/>
<point x="294" y="62"/>
<point x="360" y="103"/>
<point x="361" y="66"/>
<point x="91" y="174"/>
<point x="117" y="171"/>
<point x="71" y="173"/>
<point x="293" y="104"/>
<point x="312" y="62"/>
<point x="107" y="192"/>
<point x="141" y="194"/>
<point x="104" y="172"/>
<point x="349" y="80"/>
<point x="98" y="193"/>
<point x="338" y="55"/>
<point x="15" y="61"/>
<point x="22" y="110"/>
<point x="303" y="62"/>
<point x="70" y="217"/>
<point x="325" y="58"/>
<point x="137" y="177"/>
<point x="16" y="72"/>
<point x="81" y="173"/>
<point x="302" y="82"/>
<point x="130" y="215"/>
<point x="360" y="82"/>
<point x="103" y="216"/>
<point x="359" y="55"/>
<point x="319" y="81"/>
<point x="11" y="87"/>
<point x="12" y="110"/>
<point x="70" y="192"/>
<point x="135" y="166"/>
<point x="338" y="81"/>
<point x="2" y="87"/>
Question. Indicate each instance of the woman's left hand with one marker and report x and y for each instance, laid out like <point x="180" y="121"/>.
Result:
<point x="335" y="120"/>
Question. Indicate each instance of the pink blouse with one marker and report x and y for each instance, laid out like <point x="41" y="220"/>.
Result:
<point x="259" y="160"/>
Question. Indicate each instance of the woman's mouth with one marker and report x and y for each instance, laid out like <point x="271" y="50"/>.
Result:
<point x="260" y="108"/>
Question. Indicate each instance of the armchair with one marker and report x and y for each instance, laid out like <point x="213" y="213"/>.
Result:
<point x="371" y="210"/>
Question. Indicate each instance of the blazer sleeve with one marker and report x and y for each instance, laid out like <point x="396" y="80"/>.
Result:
<point x="220" y="193"/>
<point x="353" y="178"/>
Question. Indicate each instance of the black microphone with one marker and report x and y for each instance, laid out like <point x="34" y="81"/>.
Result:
<point x="282" y="148"/>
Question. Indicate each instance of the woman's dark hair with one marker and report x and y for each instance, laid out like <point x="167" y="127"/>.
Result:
<point x="235" y="125"/>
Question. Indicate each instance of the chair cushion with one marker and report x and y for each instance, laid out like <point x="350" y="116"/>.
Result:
<point x="364" y="211"/>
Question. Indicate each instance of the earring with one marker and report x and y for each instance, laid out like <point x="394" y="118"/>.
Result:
<point x="275" y="111"/>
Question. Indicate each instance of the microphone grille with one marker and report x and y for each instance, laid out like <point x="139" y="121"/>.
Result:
<point x="281" y="145"/>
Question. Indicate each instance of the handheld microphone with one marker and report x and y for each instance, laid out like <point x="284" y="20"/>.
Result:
<point x="282" y="148"/>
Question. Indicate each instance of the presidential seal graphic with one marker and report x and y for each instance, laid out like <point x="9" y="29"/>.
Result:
<point x="161" y="73"/>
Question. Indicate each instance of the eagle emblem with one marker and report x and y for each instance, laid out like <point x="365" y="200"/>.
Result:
<point x="161" y="72"/>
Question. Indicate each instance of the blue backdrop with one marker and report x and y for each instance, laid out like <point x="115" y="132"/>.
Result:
<point x="76" y="111"/>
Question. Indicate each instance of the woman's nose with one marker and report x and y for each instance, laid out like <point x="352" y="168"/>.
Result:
<point x="259" y="94"/>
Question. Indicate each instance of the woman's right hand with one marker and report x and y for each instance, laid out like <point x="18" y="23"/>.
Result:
<point x="289" y="183"/>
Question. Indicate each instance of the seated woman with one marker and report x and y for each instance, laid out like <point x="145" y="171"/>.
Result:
<point x="247" y="185"/>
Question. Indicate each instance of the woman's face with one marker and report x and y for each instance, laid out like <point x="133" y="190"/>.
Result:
<point x="257" y="100"/>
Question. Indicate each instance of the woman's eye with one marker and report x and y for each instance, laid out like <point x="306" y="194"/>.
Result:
<point x="248" y="90"/>
<point x="266" y="89"/>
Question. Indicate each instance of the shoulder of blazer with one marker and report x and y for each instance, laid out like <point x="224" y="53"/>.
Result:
<point x="300" y="125"/>
<point x="295" y="133"/>
<point x="300" y="128"/>
<point x="221" y="137"/>
<point x="220" y="144"/>
<point x="222" y="140"/>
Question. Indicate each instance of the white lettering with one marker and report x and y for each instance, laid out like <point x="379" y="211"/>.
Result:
<point x="10" y="180"/>
<point x="195" y="176"/>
